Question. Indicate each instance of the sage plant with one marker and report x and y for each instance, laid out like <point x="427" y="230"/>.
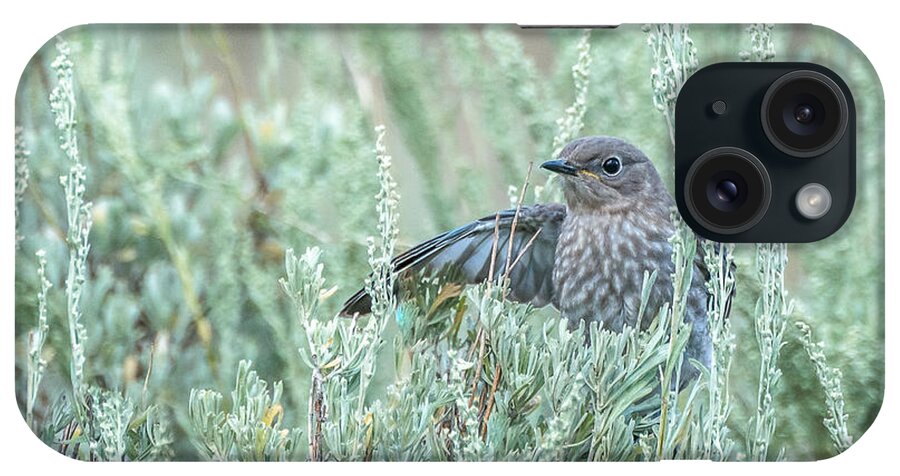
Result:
<point x="830" y="378"/>
<point x="251" y="430"/>
<point x="63" y="107"/>
<point x="22" y="175"/>
<point x="674" y="60"/>
<point x="772" y="309"/>
<point x="36" y="339"/>
<point x="718" y="258"/>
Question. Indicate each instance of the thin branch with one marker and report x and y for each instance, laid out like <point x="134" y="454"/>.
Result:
<point x="515" y="223"/>
<point x="490" y="406"/>
<point x="525" y="249"/>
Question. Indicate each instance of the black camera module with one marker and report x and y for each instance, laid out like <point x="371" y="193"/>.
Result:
<point x="804" y="113"/>
<point x="765" y="152"/>
<point x="727" y="190"/>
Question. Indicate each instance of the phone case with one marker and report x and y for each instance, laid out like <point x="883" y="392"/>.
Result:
<point x="362" y="243"/>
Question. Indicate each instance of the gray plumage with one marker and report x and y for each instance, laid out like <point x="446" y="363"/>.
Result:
<point x="589" y="258"/>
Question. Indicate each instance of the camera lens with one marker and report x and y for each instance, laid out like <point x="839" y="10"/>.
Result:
<point x="727" y="190"/>
<point x="804" y="113"/>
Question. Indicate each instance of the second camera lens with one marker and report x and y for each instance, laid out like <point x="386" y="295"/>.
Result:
<point x="727" y="190"/>
<point x="804" y="113"/>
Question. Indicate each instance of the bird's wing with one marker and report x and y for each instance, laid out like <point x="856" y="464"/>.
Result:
<point x="469" y="248"/>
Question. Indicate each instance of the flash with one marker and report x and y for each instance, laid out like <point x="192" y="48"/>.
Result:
<point x="813" y="201"/>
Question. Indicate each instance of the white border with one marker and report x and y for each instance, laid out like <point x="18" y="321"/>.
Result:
<point x="29" y="24"/>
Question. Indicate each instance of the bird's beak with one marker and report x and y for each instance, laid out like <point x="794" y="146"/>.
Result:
<point x="560" y="167"/>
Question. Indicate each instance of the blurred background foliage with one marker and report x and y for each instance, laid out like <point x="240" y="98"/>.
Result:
<point x="210" y="150"/>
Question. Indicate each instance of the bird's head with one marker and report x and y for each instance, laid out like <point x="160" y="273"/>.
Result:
<point x="607" y="173"/>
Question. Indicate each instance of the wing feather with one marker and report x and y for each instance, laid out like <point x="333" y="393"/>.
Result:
<point x="468" y="249"/>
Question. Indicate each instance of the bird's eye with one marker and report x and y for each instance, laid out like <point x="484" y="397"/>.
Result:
<point x="612" y="166"/>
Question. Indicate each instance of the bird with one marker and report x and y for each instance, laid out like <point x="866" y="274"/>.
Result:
<point x="585" y="257"/>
